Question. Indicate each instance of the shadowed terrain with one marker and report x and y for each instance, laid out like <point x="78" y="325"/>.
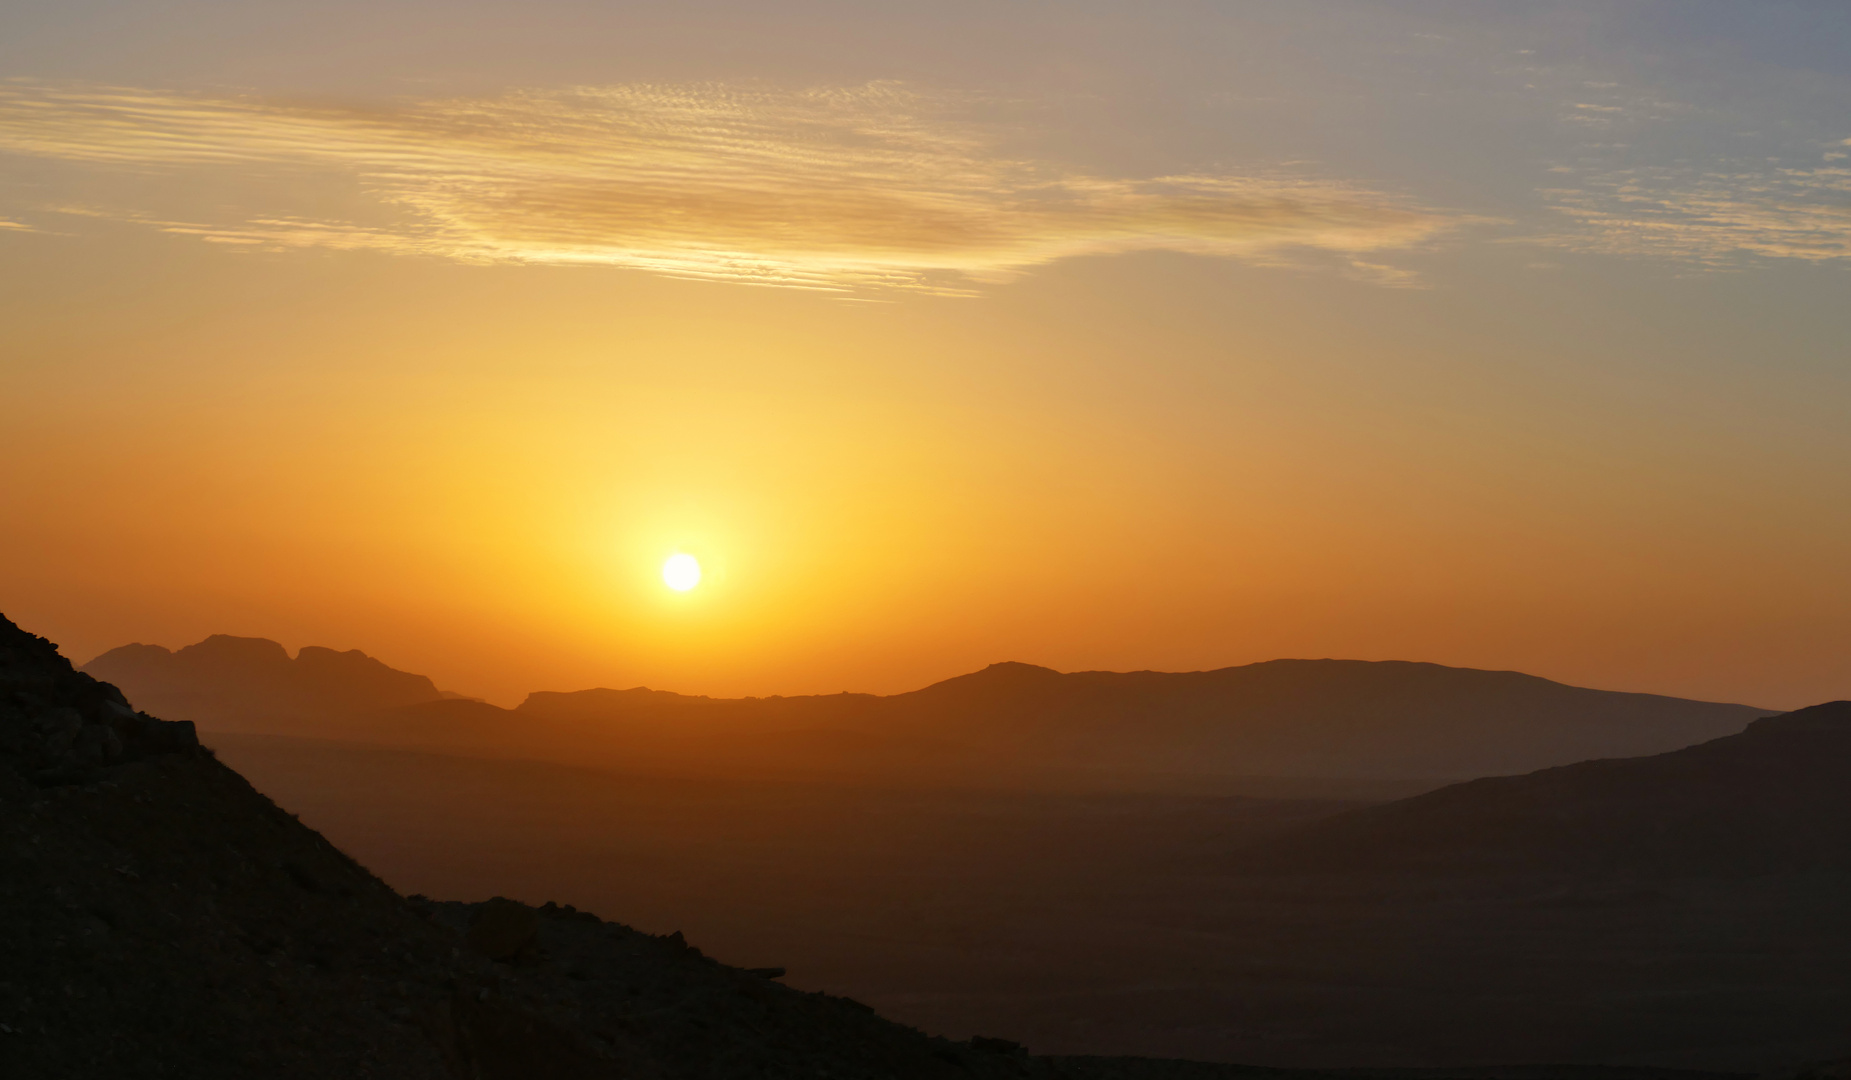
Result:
<point x="166" y="915"/>
<point x="1275" y="931"/>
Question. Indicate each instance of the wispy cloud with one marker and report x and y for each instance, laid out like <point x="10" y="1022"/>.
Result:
<point x="1714" y="219"/>
<point x="830" y="189"/>
<point x="1691" y="177"/>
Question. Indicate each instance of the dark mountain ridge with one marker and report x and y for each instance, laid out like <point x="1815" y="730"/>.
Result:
<point x="1010" y="724"/>
<point x="253" y="684"/>
<point x="1775" y="798"/>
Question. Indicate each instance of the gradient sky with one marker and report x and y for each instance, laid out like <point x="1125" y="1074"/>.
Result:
<point x="1166" y="335"/>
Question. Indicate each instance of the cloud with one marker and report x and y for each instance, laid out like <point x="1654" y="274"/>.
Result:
<point x="1714" y="219"/>
<point x="831" y="189"/>
<point x="1712" y="180"/>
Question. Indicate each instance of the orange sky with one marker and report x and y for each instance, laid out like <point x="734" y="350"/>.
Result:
<point x="931" y="366"/>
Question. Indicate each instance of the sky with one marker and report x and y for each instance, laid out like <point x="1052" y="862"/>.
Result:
<point x="1095" y="335"/>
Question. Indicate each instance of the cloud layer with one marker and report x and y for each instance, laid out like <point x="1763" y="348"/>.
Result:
<point x="827" y="189"/>
<point x="1713" y="219"/>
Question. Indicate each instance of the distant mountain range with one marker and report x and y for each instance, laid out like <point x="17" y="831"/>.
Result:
<point x="1010" y="724"/>
<point x="245" y="684"/>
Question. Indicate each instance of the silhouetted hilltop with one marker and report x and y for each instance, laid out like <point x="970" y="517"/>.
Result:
<point x="1010" y="724"/>
<point x="1775" y="798"/>
<point x="1327" y="717"/>
<point x="252" y="684"/>
<point x="1283" y="718"/>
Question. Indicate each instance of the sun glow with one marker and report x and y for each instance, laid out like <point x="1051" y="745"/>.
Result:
<point x="681" y="572"/>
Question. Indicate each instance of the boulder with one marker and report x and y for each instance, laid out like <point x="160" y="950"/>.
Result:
<point x="501" y="928"/>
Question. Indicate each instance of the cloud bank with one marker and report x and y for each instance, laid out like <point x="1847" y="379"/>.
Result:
<point x="1713" y="219"/>
<point x="829" y="189"/>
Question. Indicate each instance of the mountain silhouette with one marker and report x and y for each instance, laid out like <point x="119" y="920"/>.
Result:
<point x="1010" y="724"/>
<point x="231" y="683"/>
<point x="1775" y="798"/>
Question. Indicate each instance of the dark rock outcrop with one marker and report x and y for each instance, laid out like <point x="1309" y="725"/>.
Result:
<point x="58" y="725"/>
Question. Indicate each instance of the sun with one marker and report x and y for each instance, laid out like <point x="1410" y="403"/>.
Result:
<point x="681" y="572"/>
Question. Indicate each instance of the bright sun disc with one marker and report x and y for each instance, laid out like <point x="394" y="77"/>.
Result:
<point x="681" y="572"/>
